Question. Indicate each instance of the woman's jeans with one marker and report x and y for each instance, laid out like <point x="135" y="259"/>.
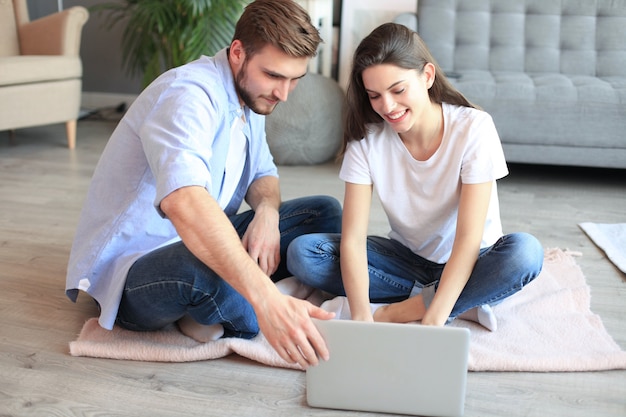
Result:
<point x="168" y="283"/>
<point x="396" y="273"/>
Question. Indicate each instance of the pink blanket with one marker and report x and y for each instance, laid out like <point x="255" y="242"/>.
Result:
<point x="547" y="327"/>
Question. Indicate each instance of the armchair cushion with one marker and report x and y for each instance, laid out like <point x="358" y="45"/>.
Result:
<point x="34" y="68"/>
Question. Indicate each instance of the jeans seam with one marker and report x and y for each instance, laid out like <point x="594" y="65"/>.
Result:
<point x="310" y="213"/>
<point x="390" y="282"/>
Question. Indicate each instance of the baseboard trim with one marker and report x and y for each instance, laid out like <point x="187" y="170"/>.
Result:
<point x="96" y="100"/>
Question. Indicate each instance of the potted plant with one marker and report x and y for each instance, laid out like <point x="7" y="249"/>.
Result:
<point x="163" y="34"/>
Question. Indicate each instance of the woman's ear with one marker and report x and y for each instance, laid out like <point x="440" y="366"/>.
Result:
<point x="429" y="73"/>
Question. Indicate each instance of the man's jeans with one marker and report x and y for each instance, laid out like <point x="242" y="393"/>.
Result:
<point x="170" y="282"/>
<point x="396" y="273"/>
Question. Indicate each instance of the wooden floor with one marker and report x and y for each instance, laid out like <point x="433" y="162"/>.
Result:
<point x="42" y="186"/>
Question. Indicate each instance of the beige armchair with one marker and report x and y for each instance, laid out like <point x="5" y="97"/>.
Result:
<point x="40" y="67"/>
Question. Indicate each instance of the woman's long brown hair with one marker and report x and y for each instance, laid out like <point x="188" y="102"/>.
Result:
<point x="395" y="44"/>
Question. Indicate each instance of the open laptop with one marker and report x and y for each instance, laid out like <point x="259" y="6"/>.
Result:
<point x="391" y="368"/>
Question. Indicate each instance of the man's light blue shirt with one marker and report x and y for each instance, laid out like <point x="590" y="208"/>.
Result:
<point x="175" y="134"/>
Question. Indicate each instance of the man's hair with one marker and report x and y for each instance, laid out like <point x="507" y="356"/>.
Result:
<point x="281" y="23"/>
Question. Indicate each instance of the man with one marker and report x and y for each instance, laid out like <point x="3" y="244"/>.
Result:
<point x="159" y="240"/>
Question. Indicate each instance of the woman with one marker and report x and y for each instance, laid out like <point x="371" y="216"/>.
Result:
<point x="433" y="159"/>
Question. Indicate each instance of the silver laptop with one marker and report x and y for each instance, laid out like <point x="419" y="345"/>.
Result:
<point x="391" y="368"/>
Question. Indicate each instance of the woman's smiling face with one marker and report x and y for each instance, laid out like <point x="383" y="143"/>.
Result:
<point x="398" y="95"/>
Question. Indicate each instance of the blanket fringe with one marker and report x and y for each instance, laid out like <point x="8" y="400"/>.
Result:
<point x="557" y="254"/>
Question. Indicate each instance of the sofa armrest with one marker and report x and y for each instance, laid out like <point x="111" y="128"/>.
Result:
<point x="55" y="34"/>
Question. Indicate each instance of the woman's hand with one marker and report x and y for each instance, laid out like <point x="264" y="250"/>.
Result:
<point x="433" y="319"/>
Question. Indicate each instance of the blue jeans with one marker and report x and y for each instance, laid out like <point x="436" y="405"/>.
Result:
<point x="396" y="273"/>
<point x="170" y="282"/>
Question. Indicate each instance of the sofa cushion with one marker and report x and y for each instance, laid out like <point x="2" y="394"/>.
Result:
<point x="482" y="86"/>
<point x="549" y="109"/>
<point x="38" y="68"/>
<point x="575" y="37"/>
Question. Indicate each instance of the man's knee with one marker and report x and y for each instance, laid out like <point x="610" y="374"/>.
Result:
<point x="329" y="209"/>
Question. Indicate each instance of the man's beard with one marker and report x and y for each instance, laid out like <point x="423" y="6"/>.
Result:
<point x="245" y="95"/>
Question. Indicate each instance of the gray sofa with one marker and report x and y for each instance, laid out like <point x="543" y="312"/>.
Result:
<point x="552" y="73"/>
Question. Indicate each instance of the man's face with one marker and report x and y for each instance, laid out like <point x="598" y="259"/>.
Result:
<point x="266" y="78"/>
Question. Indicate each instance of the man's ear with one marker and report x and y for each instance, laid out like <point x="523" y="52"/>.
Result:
<point x="237" y="54"/>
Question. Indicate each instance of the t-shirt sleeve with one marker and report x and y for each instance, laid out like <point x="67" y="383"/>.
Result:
<point x="355" y="166"/>
<point x="483" y="159"/>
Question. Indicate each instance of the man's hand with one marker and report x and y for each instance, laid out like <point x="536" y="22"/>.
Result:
<point x="285" y="321"/>
<point x="286" y="324"/>
<point x="262" y="239"/>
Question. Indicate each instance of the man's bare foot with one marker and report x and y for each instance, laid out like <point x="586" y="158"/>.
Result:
<point x="201" y="332"/>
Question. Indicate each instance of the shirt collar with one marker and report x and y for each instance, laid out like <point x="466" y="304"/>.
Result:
<point x="223" y="66"/>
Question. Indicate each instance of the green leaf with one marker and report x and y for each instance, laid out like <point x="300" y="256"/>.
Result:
<point x="163" y="34"/>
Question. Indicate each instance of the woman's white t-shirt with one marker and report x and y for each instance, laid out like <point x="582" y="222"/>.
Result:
<point x="421" y="198"/>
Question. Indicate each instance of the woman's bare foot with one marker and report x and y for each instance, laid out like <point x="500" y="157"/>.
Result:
<point x="411" y="309"/>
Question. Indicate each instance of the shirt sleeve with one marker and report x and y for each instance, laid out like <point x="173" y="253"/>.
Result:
<point x="265" y="161"/>
<point x="177" y="136"/>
